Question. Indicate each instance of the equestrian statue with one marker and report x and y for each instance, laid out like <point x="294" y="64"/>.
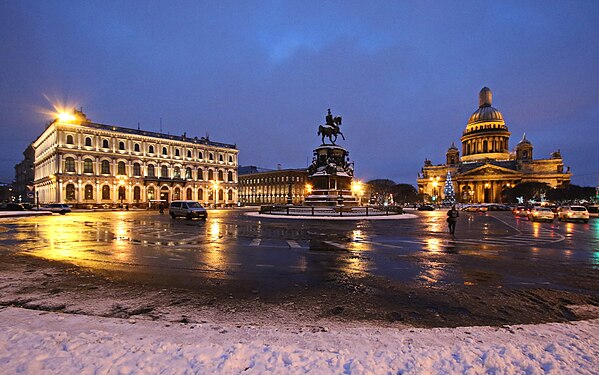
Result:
<point x="331" y="128"/>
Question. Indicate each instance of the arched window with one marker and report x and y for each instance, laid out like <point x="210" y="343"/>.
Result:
<point x="136" y="147"/>
<point x="105" y="192"/>
<point x="177" y="152"/>
<point x="177" y="194"/>
<point x="221" y="195"/>
<point x="177" y="172"/>
<point x="220" y="157"/>
<point x="69" y="164"/>
<point x="105" y="167"/>
<point x="164" y="151"/>
<point x="485" y="146"/>
<point x="200" y="194"/>
<point x="211" y="156"/>
<point x="164" y="171"/>
<point x="221" y="176"/>
<point x="230" y="159"/>
<point x="88" y="166"/>
<point x="70" y="192"/>
<point x="188" y="194"/>
<point x="122" y="193"/>
<point x="89" y="192"/>
<point x="188" y="173"/>
<point x="136" y="169"/>
<point x="230" y="176"/>
<point x="121" y="145"/>
<point x="105" y="143"/>
<point x="200" y="155"/>
<point x="70" y="140"/>
<point x="200" y="174"/>
<point x="136" y="193"/>
<point x="150" y="149"/>
<point x="210" y="175"/>
<point x="121" y="168"/>
<point x="88" y="142"/>
<point x="189" y="154"/>
<point x="151" y="171"/>
<point x="151" y="193"/>
<point x="230" y="195"/>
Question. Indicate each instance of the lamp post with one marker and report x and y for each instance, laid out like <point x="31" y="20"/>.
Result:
<point x="357" y="188"/>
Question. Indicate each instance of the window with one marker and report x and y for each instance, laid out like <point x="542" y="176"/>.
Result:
<point x="188" y="173"/>
<point x="88" y="142"/>
<point x="105" y="143"/>
<point x="200" y="194"/>
<point x="121" y="168"/>
<point x="69" y="164"/>
<point x="200" y="155"/>
<point x="210" y="175"/>
<point x="105" y="192"/>
<point x="221" y="195"/>
<point x="230" y="176"/>
<point x="151" y="193"/>
<point x="177" y="173"/>
<point x="122" y="192"/>
<point x="89" y="192"/>
<point x="200" y="174"/>
<point x="70" y="140"/>
<point x="230" y="195"/>
<point x="189" y="154"/>
<point x="164" y="171"/>
<point x="136" y="147"/>
<point x="220" y="157"/>
<point x="177" y="194"/>
<point x="230" y="159"/>
<point x="151" y="149"/>
<point x="177" y="152"/>
<point x="88" y="166"/>
<point x="105" y="168"/>
<point x="136" y="169"/>
<point x="151" y="171"/>
<point x="164" y="151"/>
<point x="211" y="156"/>
<point x="121" y="145"/>
<point x="221" y="176"/>
<point x="70" y="192"/>
<point x="136" y="193"/>
<point x="188" y="194"/>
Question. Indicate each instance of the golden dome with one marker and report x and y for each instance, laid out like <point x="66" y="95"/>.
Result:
<point x="485" y="112"/>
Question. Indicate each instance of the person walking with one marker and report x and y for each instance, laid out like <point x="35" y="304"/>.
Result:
<point x="452" y="218"/>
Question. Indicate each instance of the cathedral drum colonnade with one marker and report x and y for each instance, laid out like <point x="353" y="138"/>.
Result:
<point x="487" y="166"/>
<point x="87" y="164"/>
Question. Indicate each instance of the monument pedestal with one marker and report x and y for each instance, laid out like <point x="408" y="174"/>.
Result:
<point x="331" y="175"/>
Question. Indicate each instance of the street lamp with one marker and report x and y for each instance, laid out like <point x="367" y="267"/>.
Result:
<point x="215" y="192"/>
<point x="357" y="188"/>
<point x="308" y="189"/>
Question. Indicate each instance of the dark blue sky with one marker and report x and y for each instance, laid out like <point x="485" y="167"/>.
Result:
<point x="404" y="75"/>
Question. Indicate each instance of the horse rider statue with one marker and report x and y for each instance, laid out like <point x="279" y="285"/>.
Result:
<point x="331" y="128"/>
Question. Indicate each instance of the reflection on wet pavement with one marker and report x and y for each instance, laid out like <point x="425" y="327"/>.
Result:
<point x="488" y="248"/>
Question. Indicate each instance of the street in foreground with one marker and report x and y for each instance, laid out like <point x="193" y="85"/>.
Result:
<point x="239" y="273"/>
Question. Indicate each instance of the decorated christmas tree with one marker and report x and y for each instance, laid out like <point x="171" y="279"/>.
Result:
<point x="448" y="190"/>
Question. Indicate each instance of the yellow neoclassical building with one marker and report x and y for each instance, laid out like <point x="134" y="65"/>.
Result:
<point x="486" y="165"/>
<point x="83" y="163"/>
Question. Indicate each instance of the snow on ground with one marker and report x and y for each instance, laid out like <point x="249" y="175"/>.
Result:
<point x="33" y="342"/>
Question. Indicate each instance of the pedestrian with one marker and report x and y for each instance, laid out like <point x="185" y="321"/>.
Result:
<point x="161" y="208"/>
<point x="452" y="218"/>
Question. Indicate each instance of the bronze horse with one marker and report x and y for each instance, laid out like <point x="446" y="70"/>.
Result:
<point x="331" y="130"/>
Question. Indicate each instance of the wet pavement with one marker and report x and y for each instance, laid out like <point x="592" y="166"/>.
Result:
<point x="491" y="251"/>
<point x="278" y="252"/>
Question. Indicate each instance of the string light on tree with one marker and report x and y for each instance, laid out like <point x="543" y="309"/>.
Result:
<point x="448" y="190"/>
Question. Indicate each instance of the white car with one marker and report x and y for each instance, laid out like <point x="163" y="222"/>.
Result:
<point x="540" y="214"/>
<point x="59" y="208"/>
<point x="187" y="209"/>
<point x="573" y="213"/>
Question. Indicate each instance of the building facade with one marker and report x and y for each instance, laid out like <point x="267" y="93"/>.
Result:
<point x="24" y="176"/>
<point x="88" y="164"/>
<point x="272" y="187"/>
<point x="486" y="166"/>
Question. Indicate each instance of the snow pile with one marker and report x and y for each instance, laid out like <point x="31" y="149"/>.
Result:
<point x="39" y="342"/>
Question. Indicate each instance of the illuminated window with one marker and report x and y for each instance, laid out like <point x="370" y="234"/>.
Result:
<point x="122" y="192"/>
<point x="150" y="193"/>
<point x="188" y="194"/>
<point x="88" y="142"/>
<point x="177" y="194"/>
<point x="70" y="192"/>
<point x="89" y="192"/>
<point x="200" y="194"/>
<point x="105" y="192"/>
<point x="188" y="173"/>
<point x="177" y="172"/>
<point x="69" y="164"/>
<point x="221" y="176"/>
<point x="230" y="195"/>
<point x="70" y="140"/>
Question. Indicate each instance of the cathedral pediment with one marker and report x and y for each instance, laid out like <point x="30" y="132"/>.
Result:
<point x="489" y="170"/>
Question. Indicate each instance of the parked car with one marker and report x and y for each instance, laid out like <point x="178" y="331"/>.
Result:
<point x="521" y="211"/>
<point x="541" y="214"/>
<point x="13" y="207"/>
<point x="187" y="209"/>
<point x="593" y="211"/>
<point x="573" y="213"/>
<point x="59" y="208"/>
<point x="426" y="207"/>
